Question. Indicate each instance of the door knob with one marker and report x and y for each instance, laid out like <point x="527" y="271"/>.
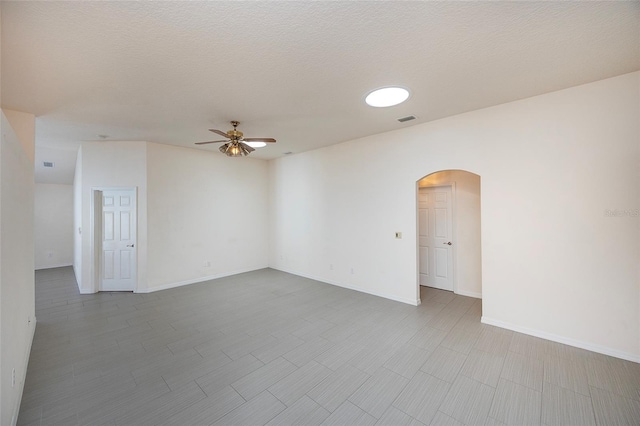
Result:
<point x="130" y="245"/>
<point x="448" y="243"/>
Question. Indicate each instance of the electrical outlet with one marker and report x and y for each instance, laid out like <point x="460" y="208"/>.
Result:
<point x="13" y="378"/>
<point x="207" y="264"/>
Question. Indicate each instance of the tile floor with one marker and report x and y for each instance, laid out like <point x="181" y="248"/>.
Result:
<point x="267" y="347"/>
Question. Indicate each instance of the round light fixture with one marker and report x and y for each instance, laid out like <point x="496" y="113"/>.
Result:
<point x="256" y="144"/>
<point x="387" y="96"/>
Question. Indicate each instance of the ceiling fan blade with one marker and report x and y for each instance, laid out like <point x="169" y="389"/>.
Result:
<point x="204" y="143"/>
<point x="269" y="140"/>
<point x="220" y="132"/>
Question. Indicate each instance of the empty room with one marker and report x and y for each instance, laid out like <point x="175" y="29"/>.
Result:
<point x="320" y="213"/>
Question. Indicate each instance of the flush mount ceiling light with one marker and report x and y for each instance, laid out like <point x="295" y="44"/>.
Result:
<point x="387" y="96"/>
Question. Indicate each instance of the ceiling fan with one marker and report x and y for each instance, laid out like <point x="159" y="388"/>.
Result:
<point x="236" y="144"/>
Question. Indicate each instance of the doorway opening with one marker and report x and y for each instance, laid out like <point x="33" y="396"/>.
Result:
<point x="114" y="239"/>
<point x="449" y="238"/>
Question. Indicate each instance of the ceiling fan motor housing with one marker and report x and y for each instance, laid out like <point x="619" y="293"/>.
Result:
<point x="234" y="134"/>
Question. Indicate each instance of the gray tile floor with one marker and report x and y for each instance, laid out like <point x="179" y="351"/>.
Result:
<point x="268" y="347"/>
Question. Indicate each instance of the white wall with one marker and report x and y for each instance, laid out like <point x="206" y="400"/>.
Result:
<point x="77" y="218"/>
<point x="53" y="224"/>
<point x="467" y="242"/>
<point x="553" y="264"/>
<point x="335" y="212"/>
<point x="17" y="296"/>
<point x="204" y="209"/>
<point x="24" y="129"/>
<point x="109" y="165"/>
<point x="201" y="215"/>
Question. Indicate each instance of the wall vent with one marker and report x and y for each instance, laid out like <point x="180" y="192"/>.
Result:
<point x="407" y="118"/>
<point x="47" y="164"/>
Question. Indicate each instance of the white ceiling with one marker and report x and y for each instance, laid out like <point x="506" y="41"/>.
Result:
<point x="297" y="71"/>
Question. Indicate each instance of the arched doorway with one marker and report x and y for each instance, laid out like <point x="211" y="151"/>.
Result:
<point x="449" y="238"/>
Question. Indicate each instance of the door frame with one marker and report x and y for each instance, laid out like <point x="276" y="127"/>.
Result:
<point x="454" y="233"/>
<point x="95" y="232"/>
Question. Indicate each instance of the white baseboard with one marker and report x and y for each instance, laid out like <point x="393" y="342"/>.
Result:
<point x="414" y="302"/>
<point x="23" y="378"/>
<point x="470" y="294"/>
<point x="55" y="265"/>
<point x="564" y="340"/>
<point x="196" y="280"/>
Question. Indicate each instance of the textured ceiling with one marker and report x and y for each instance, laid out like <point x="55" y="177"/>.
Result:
<point x="296" y="71"/>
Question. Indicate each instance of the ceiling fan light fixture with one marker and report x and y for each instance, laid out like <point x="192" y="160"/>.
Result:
<point x="235" y="143"/>
<point x="387" y="96"/>
<point x="234" y="149"/>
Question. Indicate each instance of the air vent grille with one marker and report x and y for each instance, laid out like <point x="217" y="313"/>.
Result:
<point x="407" y="118"/>
<point x="47" y="164"/>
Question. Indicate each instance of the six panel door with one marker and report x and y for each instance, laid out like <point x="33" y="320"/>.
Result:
<point x="118" y="265"/>
<point x="435" y="237"/>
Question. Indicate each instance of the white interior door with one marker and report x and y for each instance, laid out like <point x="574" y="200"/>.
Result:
<point x="118" y="257"/>
<point x="435" y="237"/>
